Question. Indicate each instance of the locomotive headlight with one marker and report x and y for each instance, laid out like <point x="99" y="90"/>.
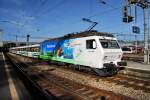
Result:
<point x="119" y="56"/>
<point x="105" y="57"/>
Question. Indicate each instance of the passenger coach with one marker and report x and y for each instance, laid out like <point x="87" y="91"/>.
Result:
<point x="29" y="51"/>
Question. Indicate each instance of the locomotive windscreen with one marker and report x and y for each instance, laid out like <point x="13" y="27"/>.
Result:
<point x="109" y="44"/>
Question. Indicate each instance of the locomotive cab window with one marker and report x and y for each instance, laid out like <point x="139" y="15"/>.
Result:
<point x="109" y="44"/>
<point x="91" y="44"/>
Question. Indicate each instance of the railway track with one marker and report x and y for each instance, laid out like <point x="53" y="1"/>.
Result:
<point x="83" y="91"/>
<point x="138" y="82"/>
<point x="133" y="57"/>
<point x="68" y="89"/>
<point x="129" y="81"/>
<point x="126" y="80"/>
<point x="126" y="73"/>
<point x="136" y="73"/>
<point x="32" y="87"/>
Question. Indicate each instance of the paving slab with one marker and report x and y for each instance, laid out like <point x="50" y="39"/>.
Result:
<point x="138" y="65"/>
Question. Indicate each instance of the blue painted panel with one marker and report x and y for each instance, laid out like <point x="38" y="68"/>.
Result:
<point x="65" y="50"/>
<point x="48" y="46"/>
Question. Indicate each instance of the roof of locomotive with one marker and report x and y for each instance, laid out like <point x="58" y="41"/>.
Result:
<point x="83" y="34"/>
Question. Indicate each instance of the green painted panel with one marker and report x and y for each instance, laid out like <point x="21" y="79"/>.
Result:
<point x="45" y="57"/>
<point x="63" y="60"/>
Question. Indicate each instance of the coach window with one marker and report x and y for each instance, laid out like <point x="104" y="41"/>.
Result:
<point x="30" y="49"/>
<point x="91" y="44"/>
<point x="37" y="49"/>
<point x="33" y="49"/>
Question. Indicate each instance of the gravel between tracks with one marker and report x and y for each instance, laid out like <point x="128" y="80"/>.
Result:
<point x="98" y="83"/>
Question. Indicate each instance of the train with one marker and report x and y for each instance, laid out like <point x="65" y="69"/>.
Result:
<point x="127" y="50"/>
<point x="98" y="51"/>
<point x="32" y="51"/>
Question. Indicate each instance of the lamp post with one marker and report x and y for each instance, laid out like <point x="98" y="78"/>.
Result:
<point x="1" y="32"/>
<point x="11" y="22"/>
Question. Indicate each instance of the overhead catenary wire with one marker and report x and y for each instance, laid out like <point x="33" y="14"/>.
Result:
<point x="78" y="20"/>
<point x="57" y="5"/>
<point x="94" y="15"/>
<point x="43" y="2"/>
<point x="40" y="7"/>
<point x="24" y="36"/>
<point x="41" y="13"/>
<point x="108" y="11"/>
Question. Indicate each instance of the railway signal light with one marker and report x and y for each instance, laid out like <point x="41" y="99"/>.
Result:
<point x="125" y="12"/>
<point x="132" y="1"/>
<point x="126" y="18"/>
<point x="130" y="18"/>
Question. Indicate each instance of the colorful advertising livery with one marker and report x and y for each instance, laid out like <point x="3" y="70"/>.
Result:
<point x="98" y="51"/>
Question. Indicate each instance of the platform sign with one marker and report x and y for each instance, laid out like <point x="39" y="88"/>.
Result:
<point x="136" y="29"/>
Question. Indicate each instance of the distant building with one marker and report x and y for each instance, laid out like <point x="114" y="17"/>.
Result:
<point x="10" y="44"/>
<point x="1" y="44"/>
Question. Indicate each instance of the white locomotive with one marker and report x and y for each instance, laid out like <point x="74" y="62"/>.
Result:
<point x="98" y="51"/>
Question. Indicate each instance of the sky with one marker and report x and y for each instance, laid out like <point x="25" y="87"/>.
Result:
<point x="44" y="19"/>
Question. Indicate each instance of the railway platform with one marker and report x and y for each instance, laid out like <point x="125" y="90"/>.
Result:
<point x="11" y="87"/>
<point x="138" y="66"/>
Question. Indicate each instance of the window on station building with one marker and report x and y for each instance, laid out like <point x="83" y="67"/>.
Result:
<point x="36" y="49"/>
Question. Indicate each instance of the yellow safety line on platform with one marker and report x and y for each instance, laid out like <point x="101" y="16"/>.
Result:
<point x="13" y="91"/>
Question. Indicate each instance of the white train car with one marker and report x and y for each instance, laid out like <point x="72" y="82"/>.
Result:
<point x="127" y="50"/>
<point x="33" y="51"/>
<point x="95" y="50"/>
<point x="98" y="51"/>
<point x="16" y="50"/>
<point x="13" y="50"/>
<point x="29" y="51"/>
